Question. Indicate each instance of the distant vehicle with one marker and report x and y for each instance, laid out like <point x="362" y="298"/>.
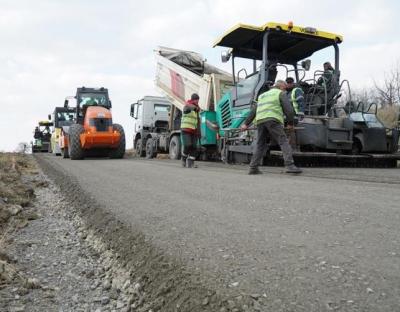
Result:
<point x="93" y="132"/>
<point x="42" y="135"/>
<point x="151" y="125"/>
<point x="62" y="117"/>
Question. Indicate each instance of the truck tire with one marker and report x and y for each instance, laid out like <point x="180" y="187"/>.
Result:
<point x="175" y="147"/>
<point x="75" y="149"/>
<point x="140" y="151"/>
<point x="119" y="152"/>
<point x="150" y="150"/>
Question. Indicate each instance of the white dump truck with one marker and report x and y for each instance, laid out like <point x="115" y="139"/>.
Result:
<point x="179" y="74"/>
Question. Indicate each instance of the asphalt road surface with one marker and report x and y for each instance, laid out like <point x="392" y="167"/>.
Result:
<point x="325" y="240"/>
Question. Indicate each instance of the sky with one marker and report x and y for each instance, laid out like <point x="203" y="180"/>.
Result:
<point x="51" y="47"/>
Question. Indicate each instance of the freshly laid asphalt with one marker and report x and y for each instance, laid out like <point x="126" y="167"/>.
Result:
<point x="328" y="239"/>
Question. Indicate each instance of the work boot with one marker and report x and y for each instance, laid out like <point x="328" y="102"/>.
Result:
<point x="190" y="162"/>
<point x="293" y="169"/>
<point x="255" y="171"/>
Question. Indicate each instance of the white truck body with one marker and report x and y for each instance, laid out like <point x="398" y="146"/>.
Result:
<point x="180" y="73"/>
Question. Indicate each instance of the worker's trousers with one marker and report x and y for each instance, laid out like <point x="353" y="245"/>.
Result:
<point x="271" y="130"/>
<point x="189" y="143"/>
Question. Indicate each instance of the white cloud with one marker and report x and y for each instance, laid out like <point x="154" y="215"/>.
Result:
<point x="51" y="47"/>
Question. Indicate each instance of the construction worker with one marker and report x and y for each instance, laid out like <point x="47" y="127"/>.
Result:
<point x="37" y="134"/>
<point x="269" y="114"/>
<point x="327" y="76"/>
<point x="190" y="130"/>
<point x="296" y="96"/>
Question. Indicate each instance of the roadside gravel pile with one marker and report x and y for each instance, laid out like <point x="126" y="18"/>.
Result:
<point x="48" y="260"/>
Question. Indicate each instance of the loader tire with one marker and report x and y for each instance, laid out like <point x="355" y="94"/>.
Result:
<point x="75" y="149"/>
<point x="175" y="147"/>
<point x="119" y="152"/>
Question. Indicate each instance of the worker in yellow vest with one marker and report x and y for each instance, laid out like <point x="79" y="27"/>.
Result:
<point x="190" y="131"/>
<point x="296" y="96"/>
<point x="269" y="113"/>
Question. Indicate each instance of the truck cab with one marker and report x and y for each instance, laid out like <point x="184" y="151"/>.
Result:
<point x="150" y="117"/>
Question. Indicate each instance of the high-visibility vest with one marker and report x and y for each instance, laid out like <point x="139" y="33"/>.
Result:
<point x="269" y="106"/>
<point x="189" y="120"/>
<point x="293" y="99"/>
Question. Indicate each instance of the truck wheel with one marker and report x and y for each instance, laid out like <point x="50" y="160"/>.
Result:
<point x="150" y="150"/>
<point x="175" y="147"/>
<point x="119" y="152"/>
<point x="75" y="149"/>
<point x="140" y="151"/>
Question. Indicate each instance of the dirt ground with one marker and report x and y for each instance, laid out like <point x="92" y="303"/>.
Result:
<point x="49" y="260"/>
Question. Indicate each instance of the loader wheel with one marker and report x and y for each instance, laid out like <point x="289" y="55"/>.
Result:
<point x="175" y="147"/>
<point x="75" y="149"/>
<point x="150" y="150"/>
<point x="65" y="153"/>
<point x="140" y="151"/>
<point x="119" y="152"/>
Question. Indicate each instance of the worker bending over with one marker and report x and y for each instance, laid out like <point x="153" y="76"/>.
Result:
<point x="269" y="116"/>
<point x="190" y="130"/>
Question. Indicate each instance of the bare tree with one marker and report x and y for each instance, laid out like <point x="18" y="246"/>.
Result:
<point x="389" y="91"/>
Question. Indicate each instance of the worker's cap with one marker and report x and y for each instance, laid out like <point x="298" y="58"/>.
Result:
<point x="194" y="97"/>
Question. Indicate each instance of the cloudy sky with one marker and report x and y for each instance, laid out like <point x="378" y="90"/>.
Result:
<point x="50" y="47"/>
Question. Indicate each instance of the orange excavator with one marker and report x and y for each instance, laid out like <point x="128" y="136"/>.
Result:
<point x="93" y="132"/>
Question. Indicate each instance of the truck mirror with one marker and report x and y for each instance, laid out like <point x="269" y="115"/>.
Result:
<point x="49" y="117"/>
<point x="132" y="109"/>
<point x="66" y="103"/>
<point x="225" y="56"/>
<point x="306" y="64"/>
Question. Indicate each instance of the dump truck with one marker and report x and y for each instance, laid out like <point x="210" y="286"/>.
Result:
<point x="178" y="75"/>
<point x="62" y="118"/>
<point x="333" y="131"/>
<point x="92" y="132"/>
<point x="42" y="135"/>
